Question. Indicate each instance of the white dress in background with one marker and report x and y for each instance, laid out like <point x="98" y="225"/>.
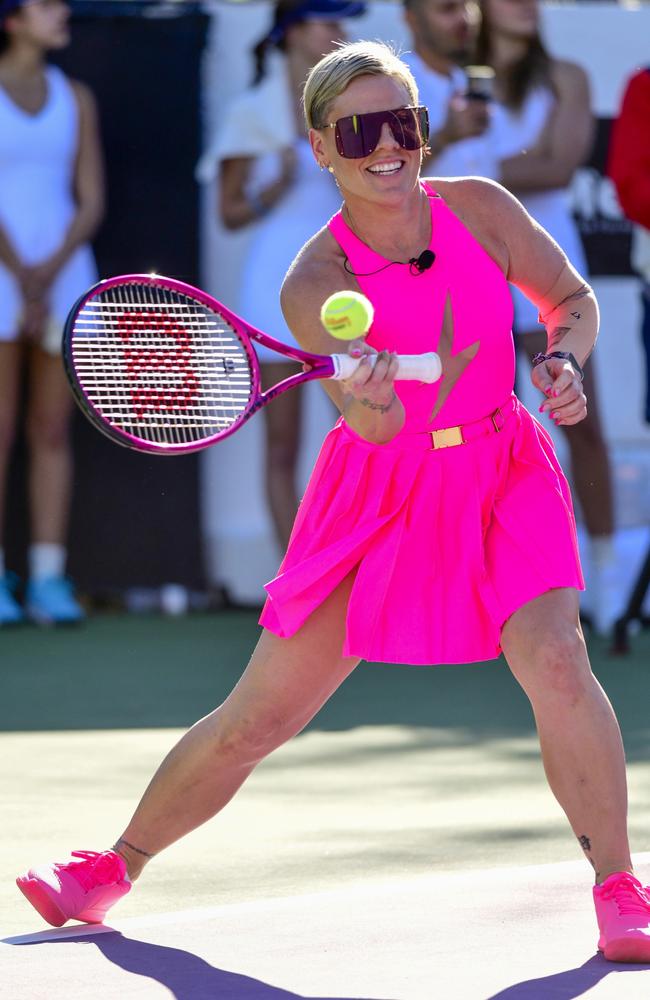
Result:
<point x="37" y="161"/>
<point x="260" y="123"/>
<point x="513" y="133"/>
<point x="308" y="205"/>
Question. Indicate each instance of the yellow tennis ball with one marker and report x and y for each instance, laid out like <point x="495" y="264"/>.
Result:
<point x="346" y="315"/>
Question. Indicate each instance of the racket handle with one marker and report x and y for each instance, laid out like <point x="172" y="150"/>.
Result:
<point x="411" y="367"/>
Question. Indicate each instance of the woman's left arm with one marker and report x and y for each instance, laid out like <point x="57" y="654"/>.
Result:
<point x="89" y="194"/>
<point x="567" y="137"/>
<point x="566" y="305"/>
<point x="533" y="261"/>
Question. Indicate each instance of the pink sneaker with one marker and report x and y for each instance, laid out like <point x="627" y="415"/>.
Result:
<point x="623" y="914"/>
<point x="76" y="890"/>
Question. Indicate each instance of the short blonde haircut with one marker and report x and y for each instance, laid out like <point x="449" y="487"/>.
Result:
<point x="336" y="71"/>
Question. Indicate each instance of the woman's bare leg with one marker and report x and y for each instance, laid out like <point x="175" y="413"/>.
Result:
<point x="285" y="684"/>
<point x="48" y="428"/>
<point x="580" y="739"/>
<point x="283" y="418"/>
<point x="10" y="363"/>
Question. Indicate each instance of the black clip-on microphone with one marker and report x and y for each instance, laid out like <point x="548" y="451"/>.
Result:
<point x="424" y="261"/>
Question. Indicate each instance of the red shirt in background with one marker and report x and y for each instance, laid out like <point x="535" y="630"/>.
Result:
<point x="629" y="150"/>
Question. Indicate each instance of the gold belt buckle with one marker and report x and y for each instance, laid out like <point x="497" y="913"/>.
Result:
<point x="497" y="419"/>
<point x="447" y="437"/>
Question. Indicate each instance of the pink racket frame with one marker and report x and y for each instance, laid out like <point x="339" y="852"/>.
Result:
<point x="321" y="366"/>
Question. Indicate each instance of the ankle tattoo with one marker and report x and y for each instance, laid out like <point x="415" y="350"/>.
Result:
<point x="132" y="847"/>
<point x="585" y="844"/>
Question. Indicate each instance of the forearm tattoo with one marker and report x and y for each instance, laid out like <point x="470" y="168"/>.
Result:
<point x="557" y="334"/>
<point x="381" y="407"/>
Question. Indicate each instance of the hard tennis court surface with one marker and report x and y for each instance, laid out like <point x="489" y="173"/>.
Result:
<point x="405" y="846"/>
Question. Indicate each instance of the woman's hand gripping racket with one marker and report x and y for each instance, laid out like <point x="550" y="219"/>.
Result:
<point x="162" y="367"/>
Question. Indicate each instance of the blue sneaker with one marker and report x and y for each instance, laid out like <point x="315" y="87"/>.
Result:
<point x="11" y="612"/>
<point x="51" y="602"/>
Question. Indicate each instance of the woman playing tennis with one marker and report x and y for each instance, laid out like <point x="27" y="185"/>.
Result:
<point x="437" y="526"/>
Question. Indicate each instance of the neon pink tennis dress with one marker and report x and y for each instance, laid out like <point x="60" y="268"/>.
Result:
<point x="447" y="542"/>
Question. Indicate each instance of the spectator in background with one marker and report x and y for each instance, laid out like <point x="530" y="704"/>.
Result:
<point x="266" y="177"/>
<point x="444" y="35"/>
<point x="542" y="131"/>
<point x="629" y="168"/>
<point x="51" y="202"/>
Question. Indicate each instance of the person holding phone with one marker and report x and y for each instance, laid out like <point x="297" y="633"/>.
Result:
<point x="444" y="34"/>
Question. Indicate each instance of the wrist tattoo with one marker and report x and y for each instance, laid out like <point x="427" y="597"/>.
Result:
<point x="557" y="335"/>
<point x="381" y="407"/>
<point x="132" y="847"/>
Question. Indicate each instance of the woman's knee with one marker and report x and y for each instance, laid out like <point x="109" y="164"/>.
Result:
<point x="246" y="741"/>
<point x="558" y="668"/>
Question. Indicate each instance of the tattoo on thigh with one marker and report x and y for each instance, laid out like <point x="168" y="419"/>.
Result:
<point x="584" y="842"/>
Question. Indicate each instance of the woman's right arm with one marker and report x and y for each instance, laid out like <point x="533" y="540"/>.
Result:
<point x="368" y="400"/>
<point x="568" y="137"/>
<point x="236" y="207"/>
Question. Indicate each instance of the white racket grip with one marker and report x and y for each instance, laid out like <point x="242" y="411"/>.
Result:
<point x="411" y="367"/>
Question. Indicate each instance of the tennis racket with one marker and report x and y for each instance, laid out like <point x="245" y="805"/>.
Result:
<point x="162" y="367"/>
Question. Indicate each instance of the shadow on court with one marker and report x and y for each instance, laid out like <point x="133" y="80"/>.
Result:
<point x="570" y="983"/>
<point x="186" y="976"/>
<point x="189" y="977"/>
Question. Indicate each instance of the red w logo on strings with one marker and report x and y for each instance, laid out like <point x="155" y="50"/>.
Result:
<point x="162" y="380"/>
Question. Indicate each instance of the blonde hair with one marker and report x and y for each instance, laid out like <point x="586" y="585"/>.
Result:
<point x="336" y="71"/>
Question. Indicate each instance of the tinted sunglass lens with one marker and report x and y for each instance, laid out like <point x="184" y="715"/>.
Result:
<point x="412" y="131"/>
<point x="358" y="136"/>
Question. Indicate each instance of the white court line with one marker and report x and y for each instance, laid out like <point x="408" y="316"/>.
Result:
<point x="415" y="884"/>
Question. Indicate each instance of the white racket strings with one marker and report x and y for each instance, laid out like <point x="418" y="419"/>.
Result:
<point x="160" y="365"/>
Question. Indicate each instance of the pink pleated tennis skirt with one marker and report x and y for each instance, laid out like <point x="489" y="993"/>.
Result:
<point x="446" y="543"/>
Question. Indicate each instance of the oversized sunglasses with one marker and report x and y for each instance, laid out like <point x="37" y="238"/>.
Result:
<point x="358" y="135"/>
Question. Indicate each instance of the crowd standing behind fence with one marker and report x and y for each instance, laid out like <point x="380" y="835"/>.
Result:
<point x="51" y="203"/>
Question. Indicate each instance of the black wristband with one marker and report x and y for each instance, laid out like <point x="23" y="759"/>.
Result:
<point x="563" y="356"/>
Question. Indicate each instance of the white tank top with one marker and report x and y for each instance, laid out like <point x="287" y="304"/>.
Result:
<point x="37" y="158"/>
<point x="516" y="131"/>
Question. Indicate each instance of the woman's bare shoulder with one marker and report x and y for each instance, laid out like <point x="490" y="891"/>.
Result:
<point x="470" y="191"/>
<point x="567" y="75"/>
<point x="319" y="262"/>
<point x="316" y="273"/>
<point x="486" y="208"/>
